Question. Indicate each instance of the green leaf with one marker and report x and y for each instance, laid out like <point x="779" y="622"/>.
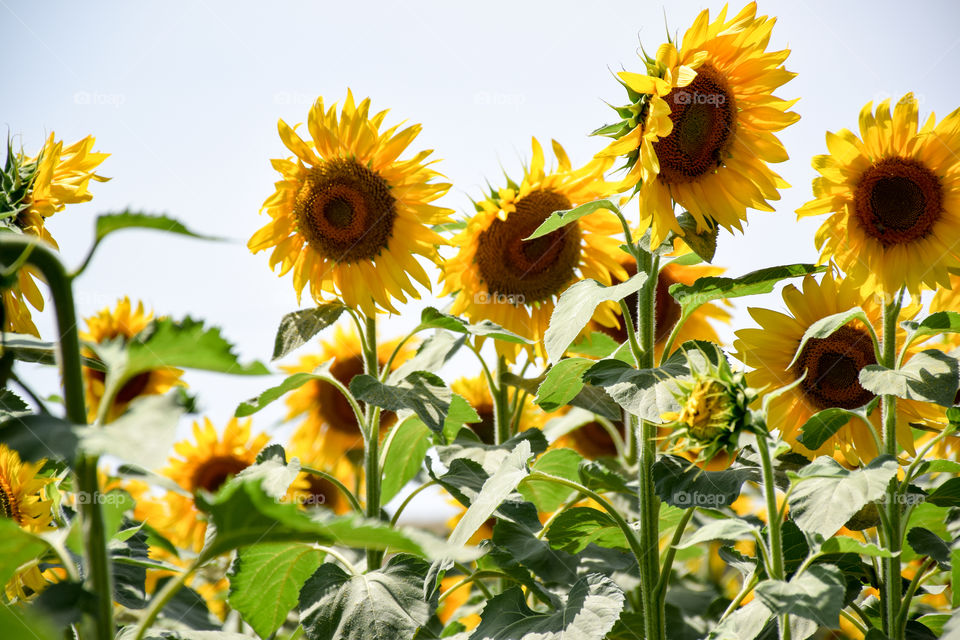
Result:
<point x="815" y="594"/>
<point x="703" y="243"/>
<point x="824" y="327"/>
<point x="40" y="436"/>
<point x="128" y="558"/>
<point x="276" y="570"/>
<point x="107" y="223"/>
<point x="745" y="623"/>
<point x="596" y="344"/>
<point x="17" y="546"/>
<point x="65" y="603"/>
<point x="187" y="344"/>
<point x="491" y="456"/>
<point x="575" y="308"/>
<point x="947" y="494"/>
<point x="431" y="355"/>
<point x="430" y="318"/>
<point x="646" y="393"/>
<point x="27" y="623"/>
<point x="11" y="405"/>
<point x="563" y="382"/>
<point x="464" y="480"/>
<point x="576" y="528"/>
<point x="928" y="376"/>
<point x="823" y="425"/>
<point x="717" y="288"/>
<point x="825" y="495"/>
<point x="298" y="327"/>
<point x="597" y="476"/>
<point x="548" y="496"/>
<point x="460" y="413"/>
<point x="187" y="607"/>
<point x="682" y="484"/>
<point x="513" y="469"/>
<point x="295" y="381"/>
<point x="926" y="543"/>
<point x="150" y="419"/>
<point x="845" y="544"/>
<point x="385" y="604"/>
<point x="407" y="447"/>
<point x="593" y="399"/>
<point x="559" y="219"/>
<point x="592" y="607"/>
<point x="934" y="324"/>
<point x="423" y="392"/>
<point x="726" y="529"/>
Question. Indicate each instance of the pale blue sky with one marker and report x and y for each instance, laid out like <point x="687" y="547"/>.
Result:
<point x="186" y="96"/>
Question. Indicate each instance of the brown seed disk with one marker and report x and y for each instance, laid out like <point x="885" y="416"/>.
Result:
<point x="898" y="201"/>
<point x="833" y="367"/>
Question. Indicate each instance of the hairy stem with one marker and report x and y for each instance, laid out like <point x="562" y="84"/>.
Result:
<point x="891" y="586"/>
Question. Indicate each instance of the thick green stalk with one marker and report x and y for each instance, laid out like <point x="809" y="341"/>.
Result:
<point x="501" y="406"/>
<point x="99" y="581"/>
<point x="653" y="601"/>
<point x="371" y="436"/>
<point x="774" y="538"/>
<point x="891" y="586"/>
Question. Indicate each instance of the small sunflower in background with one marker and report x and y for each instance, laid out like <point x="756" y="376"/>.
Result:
<point x="832" y="367"/>
<point x="667" y="313"/>
<point x="124" y="322"/>
<point x="476" y="391"/>
<point x="498" y="276"/>
<point x="348" y="216"/>
<point x="329" y="428"/>
<point x="700" y="127"/>
<point x="23" y="499"/>
<point x="310" y="490"/>
<point x="35" y="188"/>
<point x="893" y="196"/>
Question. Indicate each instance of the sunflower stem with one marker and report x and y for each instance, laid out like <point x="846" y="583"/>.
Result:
<point x="652" y="599"/>
<point x="371" y="437"/>
<point x="892" y="586"/>
<point x="501" y="409"/>
<point x="98" y="580"/>
<point x="774" y="523"/>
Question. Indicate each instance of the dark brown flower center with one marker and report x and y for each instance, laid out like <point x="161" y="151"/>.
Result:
<point x="322" y="492"/>
<point x="898" y="201"/>
<point x="345" y="211"/>
<point x="594" y="441"/>
<point x="704" y="118"/>
<point x="334" y="408"/>
<point x="8" y="502"/>
<point x="213" y="472"/>
<point x="518" y="272"/>
<point x="833" y="367"/>
<point x="485" y="428"/>
<point x="131" y="389"/>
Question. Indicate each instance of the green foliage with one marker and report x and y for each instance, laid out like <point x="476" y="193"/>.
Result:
<point x="702" y="242"/>
<point x="299" y="327"/>
<point x="711" y="288"/>
<point x="926" y="543"/>
<point x="406" y="447"/>
<point x="424" y="393"/>
<point x="823" y="425"/>
<point x="816" y="594"/>
<point x="17" y="547"/>
<point x="430" y="318"/>
<point x="548" y="496"/>
<point x="291" y="382"/>
<point x="576" y="528"/>
<point x="563" y="382"/>
<point x="679" y="483"/>
<point x="40" y="436"/>
<point x="928" y="376"/>
<point x="560" y="219"/>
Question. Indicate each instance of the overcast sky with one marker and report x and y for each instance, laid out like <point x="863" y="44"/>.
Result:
<point x="186" y="97"/>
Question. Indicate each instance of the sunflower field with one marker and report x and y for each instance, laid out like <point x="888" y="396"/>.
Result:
<point x="537" y="410"/>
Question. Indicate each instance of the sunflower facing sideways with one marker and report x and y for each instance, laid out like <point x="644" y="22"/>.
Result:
<point x="35" y="188"/>
<point x="498" y="276"/>
<point x="894" y="199"/>
<point x="125" y="322"/>
<point x="700" y="127"/>
<point x="348" y="216"/>
<point x="832" y="367"/>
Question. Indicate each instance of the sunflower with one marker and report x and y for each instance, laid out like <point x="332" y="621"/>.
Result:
<point x="697" y="327"/>
<point x="123" y="322"/>
<point x="894" y="196"/>
<point x="329" y="429"/>
<point x="700" y="129"/>
<point x="24" y="500"/>
<point x="205" y="463"/>
<point x="832" y="367"/>
<point x="56" y="177"/>
<point x="311" y="490"/>
<point x="476" y="391"/>
<point x="499" y="277"/>
<point x="349" y="217"/>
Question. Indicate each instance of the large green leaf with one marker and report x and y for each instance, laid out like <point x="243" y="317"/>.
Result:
<point x="823" y="425"/>
<point x="27" y="623"/>
<point x="559" y="219"/>
<point x="589" y="613"/>
<point x="386" y="604"/>
<point x="576" y="528"/>
<point x="825" y="495"/>
<point x="107" y="223"/>
<point x="291" y="382"/>
<point x="646" y="393"/>
<point x="703" y="290"/>
<point x="947" y="494"/>
<point x="702" y="242"/>
<point x="548" y="496"/>
<point x="575" y="308"/>
<point x="726" y="529"/>
<point x="928" y="376"/>
<point x="17" y="547"/>
<point x="298" y="327"/>
<point x="431" y="318"/>
<point x="423" y="392"/>
<point x="128" y="556"/>
<point x="464" y="481"/>
<point x="491" y="456"/>
<point x="275" y="570"/>
<point x="682" y="484"/>
<point x="593" y="399"/>
<point x="406" y="448"/>
<point x="934" y="324"/>
<point x="563" y="382"/>
<point x="186" y="344"/>
<point x="11" y="405"/>
<point x="150" y="419"/>
<point x="926" y="543"/>
<point x="815" y="594"/>
<point x="40" y="436"/>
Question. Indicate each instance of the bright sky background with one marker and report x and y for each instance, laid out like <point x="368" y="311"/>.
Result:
<point x="186" y="97"/>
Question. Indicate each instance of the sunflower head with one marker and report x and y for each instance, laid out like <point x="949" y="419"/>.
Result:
<point x="212" y="459"/>
<point x="348" y="216"/>
<point x="499" y="276"/>
<point x="893" y="195"/>
<point x="699" y="126"/>
<point x="123" y="322"/>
